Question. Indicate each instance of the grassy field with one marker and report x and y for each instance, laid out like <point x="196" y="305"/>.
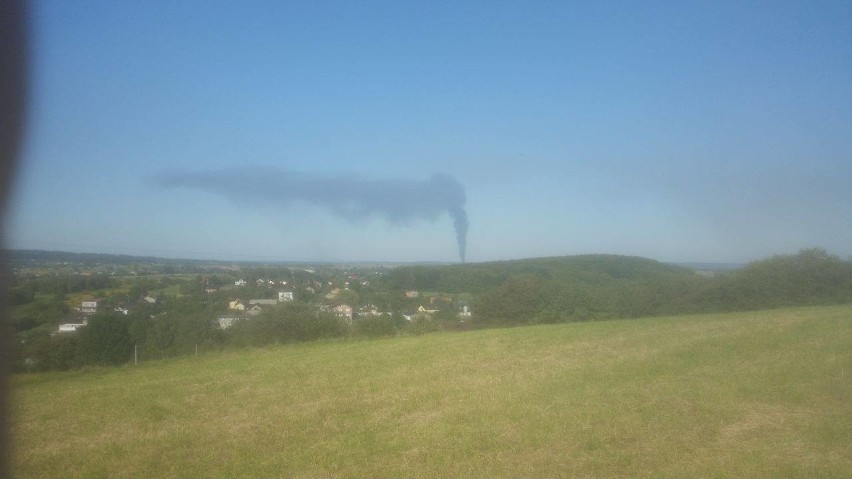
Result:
<point x="762" y="394"/>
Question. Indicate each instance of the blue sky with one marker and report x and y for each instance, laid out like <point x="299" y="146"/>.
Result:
<point x="679" y="131"/>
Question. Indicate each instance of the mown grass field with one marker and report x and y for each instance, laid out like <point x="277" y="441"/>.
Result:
<point x="761" y="394"/>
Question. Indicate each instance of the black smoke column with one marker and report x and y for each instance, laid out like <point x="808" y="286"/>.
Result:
<point x="399" y="201"/>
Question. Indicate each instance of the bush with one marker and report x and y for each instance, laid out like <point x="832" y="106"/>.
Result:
<point x="422" y="324"/>
<point x="376" y="326"/>
<point x="105" y="340"/>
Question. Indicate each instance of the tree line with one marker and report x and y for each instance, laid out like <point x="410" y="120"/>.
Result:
<point x="183" y="327"/>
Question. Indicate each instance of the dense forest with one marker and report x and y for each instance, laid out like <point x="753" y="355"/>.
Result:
<point x="543" y="290"/>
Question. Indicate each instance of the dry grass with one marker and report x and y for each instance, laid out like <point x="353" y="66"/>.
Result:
<point x="742" y="395"/>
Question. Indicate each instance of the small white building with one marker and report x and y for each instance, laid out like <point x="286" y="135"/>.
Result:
<point x="121" y="310"/>
<point x="89" y="307"/>
<point x="237" y="305"/>
<point x="70" y="327"/>
<point x="150" y="299"/>
<point x="285" y="296"/>
<point x="240" y="282"/>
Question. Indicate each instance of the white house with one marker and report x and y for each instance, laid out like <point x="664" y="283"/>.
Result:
<point x="89" y="307"/>
<point x="255" y="310"/>
<point x="240" y="282"/>
<point x="70" y="327"/>
<point x="284" y="296"/>
<point x="237" y="305"/>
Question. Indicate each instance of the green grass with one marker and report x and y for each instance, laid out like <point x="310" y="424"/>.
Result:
<point x="762" y="394"/>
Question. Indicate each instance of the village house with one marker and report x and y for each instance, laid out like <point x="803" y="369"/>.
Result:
<point x="254" y="310"/>
<point x="149" y="299"/>
<point x="412" y="294"/>
<point x="89" y="308"/>
<point x="423" y="310"/>
<point x="70" y="327"/>
<point x="285" y="296"/>
<point x="237" y="305"/>
<point x="343" y="311"/>
<point x="240" y="282"/>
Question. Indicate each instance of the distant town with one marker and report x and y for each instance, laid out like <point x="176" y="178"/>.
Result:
<point x="55" y="294"/>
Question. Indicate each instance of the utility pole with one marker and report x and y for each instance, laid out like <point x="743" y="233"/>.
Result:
<point x="135" y="356"/>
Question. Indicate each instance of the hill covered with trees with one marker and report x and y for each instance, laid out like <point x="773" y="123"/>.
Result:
<point x="590" y="287"/>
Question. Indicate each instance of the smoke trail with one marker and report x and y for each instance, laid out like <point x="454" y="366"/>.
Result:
<point x="460" y="223"/>
<point x="398" y="201"/>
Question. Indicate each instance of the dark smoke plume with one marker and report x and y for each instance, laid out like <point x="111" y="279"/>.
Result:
<point x="398" y="201"/>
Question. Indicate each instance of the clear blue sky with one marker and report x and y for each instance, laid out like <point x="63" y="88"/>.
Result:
<point x="680" y="131"/>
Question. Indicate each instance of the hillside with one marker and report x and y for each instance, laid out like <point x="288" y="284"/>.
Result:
<point x="593" y="287"/>
<point x="592" y="270"/>
<point x="761" y="394"/>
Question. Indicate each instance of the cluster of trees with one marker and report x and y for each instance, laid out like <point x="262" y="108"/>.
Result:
<point x="25" y="291"/>
<point x="182" y="327"/>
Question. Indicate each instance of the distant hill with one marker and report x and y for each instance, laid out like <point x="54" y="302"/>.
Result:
<point x="23" y="255"/>
<point x="589" y="287"/>
<point x="588" y="270"/>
